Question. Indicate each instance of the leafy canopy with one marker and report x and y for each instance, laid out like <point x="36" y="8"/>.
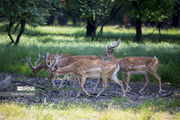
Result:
<point x="34" y="12"/>
<point x="153" y="10"/>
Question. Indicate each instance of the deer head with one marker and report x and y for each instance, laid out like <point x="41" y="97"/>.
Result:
<point x="109" y="50"/>
<point x="52" y="64"/>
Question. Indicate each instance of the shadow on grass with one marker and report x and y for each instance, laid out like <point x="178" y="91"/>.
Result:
<point x="11" y="59"/>
<point x="107" y="36"/>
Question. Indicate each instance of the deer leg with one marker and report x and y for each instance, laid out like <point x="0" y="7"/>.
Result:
<point x="115" y="79"/>
<point x="54" y="85"/>
<point x="147" y="81"/>
<point x="95" y="87"/>
<point x="75" y="79"/>
<point x="62" y="81"/>
<point x="82" y="82"/>
<point x="105" y="84"/>
<point x="79" y="91"/>
<point x="159" y="80"/>
<point x="127" y="77"/>
<point x="52" y="78"/>
<point x="124" y="80"/>
<point x="36" y="71"/>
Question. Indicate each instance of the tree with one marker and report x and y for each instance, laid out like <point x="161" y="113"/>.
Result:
<point x="69" y="8"/>
<point x="32" y="12"/>
<point x="99" y="13"/>
<point x="156" y="11"/>
<point x="176" y="11"/>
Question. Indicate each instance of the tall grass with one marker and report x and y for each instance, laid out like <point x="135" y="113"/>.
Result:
<point x="72" y="40"/>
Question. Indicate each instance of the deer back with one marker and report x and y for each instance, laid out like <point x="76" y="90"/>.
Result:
<point x="138" y="63"/>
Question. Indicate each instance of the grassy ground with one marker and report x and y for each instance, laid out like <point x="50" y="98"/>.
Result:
<point x="71" y="40"/>
<point x="148" y="110"/>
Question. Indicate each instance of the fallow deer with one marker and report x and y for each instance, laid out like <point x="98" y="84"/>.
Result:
<point x="86" y="68"/>
<point x="134" y="65"/>
<point x="37" y="67"/>
<point x="65" y="60"/>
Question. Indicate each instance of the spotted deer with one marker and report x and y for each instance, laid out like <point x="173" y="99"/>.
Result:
<point x="86" y="68"/>
<point x="134" y="65"/>
<point x="37" y="67"/>
<point x="64" y="61"/>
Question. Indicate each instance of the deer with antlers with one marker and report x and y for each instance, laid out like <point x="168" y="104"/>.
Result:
<point x="37" y="67"/>
<point x="64" y="61"/>
<point x="134" y="65"/>
<point x="86" y="68"/>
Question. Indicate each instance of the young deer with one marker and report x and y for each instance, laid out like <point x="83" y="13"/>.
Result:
<point x="134" y="65"/>
<point x="65" y="60"/>
<point x="86" y="68"/>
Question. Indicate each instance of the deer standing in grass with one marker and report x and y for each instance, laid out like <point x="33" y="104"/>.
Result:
<point x="134" y="65"/>
<point x="86" y="68"/>
<point x="64" y="61"/>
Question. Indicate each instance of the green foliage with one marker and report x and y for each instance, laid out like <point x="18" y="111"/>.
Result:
<point x="89" y="8"/>
<point x="34" y="12"/>
<point x="153" y="10"/>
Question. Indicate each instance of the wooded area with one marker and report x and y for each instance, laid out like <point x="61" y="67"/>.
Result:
<point x="97" y="13"/>
<point x="90" y="59"/>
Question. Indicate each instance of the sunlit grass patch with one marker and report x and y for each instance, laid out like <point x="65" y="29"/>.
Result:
<point x="72" y="40"/>
<point x="72" y="111"/>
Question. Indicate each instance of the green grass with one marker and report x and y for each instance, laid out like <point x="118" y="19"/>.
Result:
<point x="146" y="110"/>
<point x="72" y="40"/>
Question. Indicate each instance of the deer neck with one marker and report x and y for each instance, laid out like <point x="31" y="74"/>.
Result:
<point x="114" y="59"/>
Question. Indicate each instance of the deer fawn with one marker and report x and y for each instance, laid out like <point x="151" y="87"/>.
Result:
<point x="86" y="68"/>
<point x="65" y="60"/>
<point x="134" y="65"/>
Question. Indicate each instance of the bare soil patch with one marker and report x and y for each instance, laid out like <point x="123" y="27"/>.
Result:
<point x="45" y="93"/>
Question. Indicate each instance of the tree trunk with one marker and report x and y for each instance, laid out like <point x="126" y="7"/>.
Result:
<point x="175" y="20"/>
<point x="74" y="20"/>
<point x="16" y="28"/>
<point x="159" y="27"/>
<point x="23" y="22"/>
<point x="175" y="17"/>
<point x="63" y="19"/>
<point x="101" y="29"/>
<point x="91" y="28"/>
<point x="138" y="24"/>
<point x="138" y="30"/>
<point x="11" y="23"/>
<point x="50" y="20"/>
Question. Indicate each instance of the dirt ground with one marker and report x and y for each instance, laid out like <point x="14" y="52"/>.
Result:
<point x="45" y="93"/>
